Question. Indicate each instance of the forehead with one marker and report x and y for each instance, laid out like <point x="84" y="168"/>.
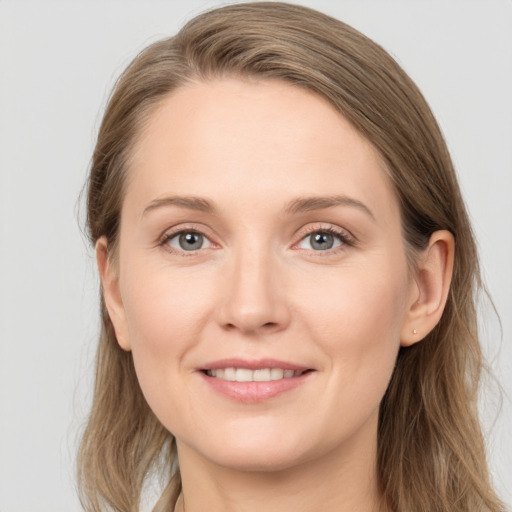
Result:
<point x="254" y="140"/>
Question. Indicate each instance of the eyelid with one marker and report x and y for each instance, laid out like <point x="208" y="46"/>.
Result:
<point x="345" y="236"/>
<point x="170" y="233"/>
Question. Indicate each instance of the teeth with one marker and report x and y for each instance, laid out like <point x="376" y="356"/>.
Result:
<point x="243" y="375"/>
<point x="276" y="374"/>
<point x="246" y="375"/>
<point x="229" y="373"/>
<point x="261" y="375"/>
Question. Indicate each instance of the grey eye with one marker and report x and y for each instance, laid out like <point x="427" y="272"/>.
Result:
<point x="189" y="241"/>
<point x="320" y="241"/>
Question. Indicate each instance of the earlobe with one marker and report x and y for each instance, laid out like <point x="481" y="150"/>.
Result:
<point x="111" y="293"/>
<point x="430" y="288"/>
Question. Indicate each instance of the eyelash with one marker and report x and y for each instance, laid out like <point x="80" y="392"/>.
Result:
<point x="343" y="236"/>
<point x="167" y="237"/>
<point x="346" y="239"/>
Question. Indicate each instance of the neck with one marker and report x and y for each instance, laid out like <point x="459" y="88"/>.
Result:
<point x="342" y="481"/>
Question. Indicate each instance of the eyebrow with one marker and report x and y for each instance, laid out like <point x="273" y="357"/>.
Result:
<point x="306" y="204"/>
<point x="189" y="202"/>
<point x="301" y="204"/>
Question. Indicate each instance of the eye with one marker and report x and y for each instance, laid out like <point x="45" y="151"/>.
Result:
<point x="188" y="241"/>
<point x="323" y="240"/>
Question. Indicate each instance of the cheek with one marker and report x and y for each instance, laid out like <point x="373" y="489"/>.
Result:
<point x="162" y="307"/>
<point x="353" y="301"/>
<point x="165" y="314"/>
<point x="357" y="320"/>
<point x="165" y="319"/>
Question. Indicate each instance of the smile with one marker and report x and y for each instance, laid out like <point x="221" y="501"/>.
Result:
<point x="251" y="382"/>
<point x="247" y="375"/>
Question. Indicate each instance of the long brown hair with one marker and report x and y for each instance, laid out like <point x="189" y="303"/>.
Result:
<point x="431" y="454"/>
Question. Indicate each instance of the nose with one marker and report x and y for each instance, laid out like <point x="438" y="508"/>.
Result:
<point x="253" y="296"/>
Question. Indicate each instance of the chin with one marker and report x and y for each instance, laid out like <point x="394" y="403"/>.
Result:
<point x="256" y="451"/>
<point x="258" y="460"/>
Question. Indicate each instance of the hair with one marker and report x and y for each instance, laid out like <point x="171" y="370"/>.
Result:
<point x="431" y="452"/>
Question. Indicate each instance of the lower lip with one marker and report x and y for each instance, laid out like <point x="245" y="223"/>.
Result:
<point x="254" y="392"/>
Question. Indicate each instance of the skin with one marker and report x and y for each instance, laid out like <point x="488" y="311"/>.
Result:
<point x="259" y="289"/>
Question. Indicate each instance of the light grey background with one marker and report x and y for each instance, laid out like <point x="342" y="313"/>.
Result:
<point x="58" y="60"/>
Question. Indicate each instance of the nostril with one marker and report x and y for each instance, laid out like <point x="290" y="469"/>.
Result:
<point x="249" y="327"/>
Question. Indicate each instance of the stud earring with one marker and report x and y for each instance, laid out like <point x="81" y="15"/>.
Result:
<point x="414" y="331"/>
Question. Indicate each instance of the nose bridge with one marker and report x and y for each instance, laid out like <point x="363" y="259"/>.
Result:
<point x="252" y="298"/>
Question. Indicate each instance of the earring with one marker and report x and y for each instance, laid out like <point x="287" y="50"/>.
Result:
<point x="414" y="331"/>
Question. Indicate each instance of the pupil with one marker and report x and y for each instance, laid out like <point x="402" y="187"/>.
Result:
<point x="322" y="241"/>
<point x="191" y="241"/>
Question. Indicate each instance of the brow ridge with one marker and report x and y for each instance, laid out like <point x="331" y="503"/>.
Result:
<point x="190" y="202"/>
<point x="311" y="203"/>
<point x="301" y="204"/>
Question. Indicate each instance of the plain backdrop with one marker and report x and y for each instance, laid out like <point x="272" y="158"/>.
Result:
<point x="58" y="61"/>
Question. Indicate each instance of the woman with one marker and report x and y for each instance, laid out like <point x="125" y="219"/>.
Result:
<point x="288" y="277"/>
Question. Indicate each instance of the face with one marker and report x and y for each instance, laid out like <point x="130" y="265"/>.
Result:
<point x="261" y="281"/>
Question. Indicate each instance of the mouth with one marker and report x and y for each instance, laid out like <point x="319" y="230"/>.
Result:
<point x="252" y="382"/>
<point x="247" y="375"/>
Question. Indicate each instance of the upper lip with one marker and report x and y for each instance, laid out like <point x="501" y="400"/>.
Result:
<point x="253" y="364"/>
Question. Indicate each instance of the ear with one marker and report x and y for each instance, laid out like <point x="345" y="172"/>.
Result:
<point x="430" y="288"/>
<point x="109" y="276"/>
